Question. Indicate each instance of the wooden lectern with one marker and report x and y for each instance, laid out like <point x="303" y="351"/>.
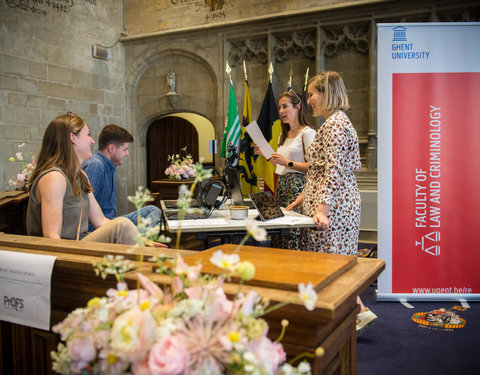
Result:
<point x="337" y="279"/>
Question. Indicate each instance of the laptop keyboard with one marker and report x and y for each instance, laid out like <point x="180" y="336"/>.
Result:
<point x="196" y="215"/>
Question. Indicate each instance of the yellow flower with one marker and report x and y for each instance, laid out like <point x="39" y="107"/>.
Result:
<point x="93" y="302"/>
<point x="112" y="359"/>
<point x="234" y="336"/>
<point x="145" y="305"/>
<point x="11" y="158"/>
<point x="246" y="270"/>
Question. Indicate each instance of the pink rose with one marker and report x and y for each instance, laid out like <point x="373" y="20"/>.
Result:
<point x="20" y="181"/>
<point x="141" y="368"/>
<point x="177" y="285"/>
<point x="270" y="354"/>
<point x="82" y="349"/>
<point x="168" y="357"/>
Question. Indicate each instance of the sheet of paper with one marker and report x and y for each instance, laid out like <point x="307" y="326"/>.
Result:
<point x="291" y="220"/>
<point x="173" y="224"/>
<point x="25" y="283"/>
<point x="258" y="138"/>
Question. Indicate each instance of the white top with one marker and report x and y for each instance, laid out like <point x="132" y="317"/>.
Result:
<point x="292" y="149"/>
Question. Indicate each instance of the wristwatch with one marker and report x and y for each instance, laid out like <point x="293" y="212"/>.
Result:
<point x="290" y="164"/>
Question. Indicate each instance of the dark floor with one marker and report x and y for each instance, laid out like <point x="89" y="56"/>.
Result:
<point x="397" y="345"/>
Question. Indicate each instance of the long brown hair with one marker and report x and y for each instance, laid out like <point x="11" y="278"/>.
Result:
<point x="294" y="99"/>
<point x="57" y="151"/>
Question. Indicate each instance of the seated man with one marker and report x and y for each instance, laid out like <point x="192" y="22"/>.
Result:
<point x="61" y="201"/>
<point x="112" y="148"/>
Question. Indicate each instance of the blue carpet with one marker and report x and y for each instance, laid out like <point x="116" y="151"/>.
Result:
<point x="397" y="345"/>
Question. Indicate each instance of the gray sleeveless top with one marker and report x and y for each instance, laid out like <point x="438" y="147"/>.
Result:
<point x="72" y="206"/>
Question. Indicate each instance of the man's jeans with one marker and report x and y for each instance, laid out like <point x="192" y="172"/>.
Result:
<point x="152" y="212"/>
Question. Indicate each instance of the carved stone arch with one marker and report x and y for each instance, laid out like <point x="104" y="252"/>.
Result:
<point x="196" y="99"/>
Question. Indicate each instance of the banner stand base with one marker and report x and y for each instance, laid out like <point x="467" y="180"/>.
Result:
<point x="396" y="297"/>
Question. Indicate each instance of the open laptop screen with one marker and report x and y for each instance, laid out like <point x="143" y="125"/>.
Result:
<point x="266" y="206"/>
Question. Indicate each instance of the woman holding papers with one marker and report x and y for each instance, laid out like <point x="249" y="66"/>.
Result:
<point x="289" y="160"/>
<point x="331" y="195"/>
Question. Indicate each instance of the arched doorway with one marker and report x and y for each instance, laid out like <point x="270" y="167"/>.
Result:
<point x="167" y="136"/>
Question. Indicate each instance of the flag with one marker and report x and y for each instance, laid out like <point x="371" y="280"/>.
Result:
<point x="269" y="123"/>
<point x="246" y="171"/>
<point x="231" y="134"/>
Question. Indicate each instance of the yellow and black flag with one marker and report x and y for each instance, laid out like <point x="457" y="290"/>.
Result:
<point x="269" y="122"/>
<point x="246" y="171"/>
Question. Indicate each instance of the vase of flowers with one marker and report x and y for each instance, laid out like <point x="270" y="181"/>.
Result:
<point x="189" y="326"/>
<point x="28" y="163"/>
<point x="181" y="167"/>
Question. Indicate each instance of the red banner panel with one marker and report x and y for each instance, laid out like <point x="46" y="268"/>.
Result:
<point x="436" y="183"/>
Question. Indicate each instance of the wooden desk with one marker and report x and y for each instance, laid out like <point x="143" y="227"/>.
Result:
<point x="331" y="325"/>
<point x="13" y="211"/>
<point x="168" y="189"/>
<point x="219" y="224"/>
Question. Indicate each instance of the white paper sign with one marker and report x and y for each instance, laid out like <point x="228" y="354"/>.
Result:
<point x="258" y="138"/>
<point x="25" y="283"/>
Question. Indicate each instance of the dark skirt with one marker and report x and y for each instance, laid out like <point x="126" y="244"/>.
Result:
<point x="289" y="186"/>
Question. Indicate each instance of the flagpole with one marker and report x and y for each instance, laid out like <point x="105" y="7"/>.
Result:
<point x="290" y="79"/>
<point x="306" y="80"/>
<point x="228" y="70"/>
<point x="245" y="70"/>
<point x="270" y="72"/>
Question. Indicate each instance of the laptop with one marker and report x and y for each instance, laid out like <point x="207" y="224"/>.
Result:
<point x="205" y="202"/>
<point x="232" y="181"/>
<point x="266" y="206"/>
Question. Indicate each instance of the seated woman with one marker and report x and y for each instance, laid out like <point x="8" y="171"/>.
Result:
<point x="61" y="198"/>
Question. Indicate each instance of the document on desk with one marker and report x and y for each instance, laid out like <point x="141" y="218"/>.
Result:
<point x="292" y="220"/>
<point x="258" y="138"/>
<point x="174" y="224"/>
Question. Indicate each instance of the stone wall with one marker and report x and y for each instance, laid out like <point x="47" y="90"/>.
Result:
<point x="47" y="69"/>
<point x="149" y="17"/>
<point x="292" y="35"/>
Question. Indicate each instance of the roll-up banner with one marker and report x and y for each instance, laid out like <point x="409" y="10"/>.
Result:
<point x="429" y="161"/>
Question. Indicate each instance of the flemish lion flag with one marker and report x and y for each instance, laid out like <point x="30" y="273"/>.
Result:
<point x="269" y="123"/>
<point x="246" y="170"/>
<point x="231" y="134"/>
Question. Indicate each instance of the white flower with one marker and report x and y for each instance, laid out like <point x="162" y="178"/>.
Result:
<point x="19" y="155"/>
<point x="304" y="368"/>
<point x="225" y="261"/>
<point x="132" y="334"/>
<point x="287" y="369"/>
<point x="186" y="308"/>
<point x="260" y="234"/>
<point x="308" y="295"/>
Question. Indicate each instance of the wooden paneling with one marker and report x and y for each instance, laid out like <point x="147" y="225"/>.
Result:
<point x="168" y="136"/>
<point x="13" y="210"/>
<point x="331" y="325"/>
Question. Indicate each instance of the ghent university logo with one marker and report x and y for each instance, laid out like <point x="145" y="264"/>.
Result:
<point x="399" y="34"/>
<point x="13" y="303"/>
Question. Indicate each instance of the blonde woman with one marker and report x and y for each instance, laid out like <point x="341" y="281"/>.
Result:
<point x="331" y="195"/>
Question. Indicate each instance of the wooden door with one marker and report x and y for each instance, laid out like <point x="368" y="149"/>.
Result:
<point x="167" y="136"/>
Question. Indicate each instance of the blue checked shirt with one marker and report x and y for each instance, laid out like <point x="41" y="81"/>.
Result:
<point x="101" y="173"/>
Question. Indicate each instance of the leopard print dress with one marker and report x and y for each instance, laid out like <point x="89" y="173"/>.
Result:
<point x="333" y="156"/>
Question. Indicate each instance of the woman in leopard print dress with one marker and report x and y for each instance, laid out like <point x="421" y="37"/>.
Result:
<point x="331" y="195"/>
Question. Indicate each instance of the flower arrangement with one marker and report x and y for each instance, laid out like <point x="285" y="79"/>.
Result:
<point x="187" y="327"/>
<point x="181" y="168"/>
<point x="21" y="180"/>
